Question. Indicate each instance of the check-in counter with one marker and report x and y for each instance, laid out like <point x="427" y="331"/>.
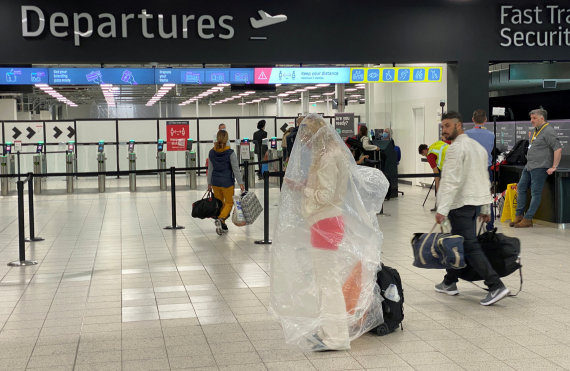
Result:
<point x="555" y="204"/>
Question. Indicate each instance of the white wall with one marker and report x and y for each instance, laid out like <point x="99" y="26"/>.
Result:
<point x="8" y="110"/>
<point x="394" y="106"/>
<point x="24" y="115"/>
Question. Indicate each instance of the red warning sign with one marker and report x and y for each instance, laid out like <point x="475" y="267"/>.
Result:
<point x="262" y="75"/>
<point x="177" y="134"/>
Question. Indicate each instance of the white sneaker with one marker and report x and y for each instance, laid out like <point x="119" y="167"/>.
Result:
<point x="218" y="224"/>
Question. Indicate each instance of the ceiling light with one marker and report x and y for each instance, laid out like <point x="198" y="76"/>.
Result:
<point x="290" y="92"/>
<point x="331" y="93"/>
<point x="322" y="85"/>
<point x="312" y="87"/>
<point x="241" y="104"/>
<point x="315" y="96"/>
<point x="164" y="89"/>
<point x="361" y="87"/>
<point x="355" y="95"/>
<point x="283" y="95"/>
<point x="320" y="101"/>
<point x="350" y="89"/>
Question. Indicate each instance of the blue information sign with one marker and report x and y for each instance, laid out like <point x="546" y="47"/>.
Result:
<point x="241" y="76"/>
<point x="97" y="76"/>
<point x="23" y="76"/>
<point x="204" y="75"/>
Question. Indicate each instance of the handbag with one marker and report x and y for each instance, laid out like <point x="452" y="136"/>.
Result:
<point x="251" y="206"/>
<point x="237" y="215"/>
<point x="208" y="207"/>
<point x="503" y="252"/>
<point x="438" y="250"/>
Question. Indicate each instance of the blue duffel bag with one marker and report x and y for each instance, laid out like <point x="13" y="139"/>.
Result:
<point x="438" y="250"/>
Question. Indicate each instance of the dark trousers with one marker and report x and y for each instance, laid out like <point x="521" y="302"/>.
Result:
<point x="464" y="223"/>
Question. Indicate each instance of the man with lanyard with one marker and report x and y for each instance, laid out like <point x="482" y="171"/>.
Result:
<point x="543" y="157"/>
<point x="487" y="139"/>
<point x="435" y="155"/>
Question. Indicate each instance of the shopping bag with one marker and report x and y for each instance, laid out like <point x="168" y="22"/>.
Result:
<point x="438" y="250"/>
<point x="208" y="207"/>
<point x="510" y="205"/>
<point x="251" y="206"/>
<point x="238" y="217"/>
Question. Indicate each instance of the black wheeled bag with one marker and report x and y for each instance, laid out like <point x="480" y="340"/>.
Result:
<point x="208" y="207"/>
<point x="502" y="251"/>
<point x="393" y="312"/>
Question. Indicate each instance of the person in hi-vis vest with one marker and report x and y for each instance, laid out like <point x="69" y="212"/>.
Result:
<point x="435" y="155"/>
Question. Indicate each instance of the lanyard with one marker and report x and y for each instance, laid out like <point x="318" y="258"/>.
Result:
<point x="536" y="134"/>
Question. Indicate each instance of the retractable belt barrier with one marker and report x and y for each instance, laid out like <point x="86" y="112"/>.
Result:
<point x="172" y="170"/>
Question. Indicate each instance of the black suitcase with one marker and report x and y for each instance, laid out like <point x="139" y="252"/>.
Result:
<point x="393" y="312"/>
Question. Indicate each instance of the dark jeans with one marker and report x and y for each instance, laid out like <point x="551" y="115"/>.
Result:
<point x="535" y="179"/>
<point x="464" y="223"/>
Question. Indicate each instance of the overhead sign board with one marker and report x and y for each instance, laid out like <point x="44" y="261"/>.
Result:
<point x="98" y="76"/>
<point x="204" y="75"/>
<point x="23" y="76"/>
<point x="327" y="75"/>
<point x="395" y="74"/>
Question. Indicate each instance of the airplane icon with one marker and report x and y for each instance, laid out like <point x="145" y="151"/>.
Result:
<point x="266" y="19"/>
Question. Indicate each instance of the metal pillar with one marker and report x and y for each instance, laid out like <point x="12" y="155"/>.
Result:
<point x="339" y="94"/>
<point x="4" y="171"/>
<point x="191" y="162"/>
<point x="132" y="176"/>
<point x="161" y="158"/>
<point x="37" y="159"/>
<point x="69" y="167"/>
<point x="101" y="168"/>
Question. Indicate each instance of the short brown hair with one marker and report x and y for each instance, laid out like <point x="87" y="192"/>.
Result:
<point x="363" y="131"/>
<point x="479" y="116"/>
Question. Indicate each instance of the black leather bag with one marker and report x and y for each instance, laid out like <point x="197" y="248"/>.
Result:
<point x="502" y="251"/>
<point x="208" y="207"/>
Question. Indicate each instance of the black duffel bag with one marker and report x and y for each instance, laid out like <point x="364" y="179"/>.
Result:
<point x="503" y="253"/>
<point x="208" y="207"/>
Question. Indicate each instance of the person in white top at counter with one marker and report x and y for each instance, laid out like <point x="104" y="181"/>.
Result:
<point x="363" y="137"/>
<point x="464" y="193"/>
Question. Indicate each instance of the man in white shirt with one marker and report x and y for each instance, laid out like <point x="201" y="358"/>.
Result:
<point x="464" y="194"/>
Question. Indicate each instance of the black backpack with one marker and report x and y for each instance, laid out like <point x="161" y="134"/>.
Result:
<point x="393" y="312"/>
<point x="517" y="156"/>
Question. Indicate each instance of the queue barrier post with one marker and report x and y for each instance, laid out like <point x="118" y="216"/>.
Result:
<point x="266" y="240"/>
<point x="31" y="218"/>
<point x="21" y="239"/>
<point x="173" y="199"/>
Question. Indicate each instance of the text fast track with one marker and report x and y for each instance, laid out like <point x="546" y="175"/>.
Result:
<point x="552" y="22"/>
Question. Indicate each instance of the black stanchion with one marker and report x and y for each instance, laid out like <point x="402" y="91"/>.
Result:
<point x="266" y="240"/>
<point x="31" y="223"/>
<point x="173" y="199"/>
<point x="246" y="174"/>
<point x="21" y="239"/>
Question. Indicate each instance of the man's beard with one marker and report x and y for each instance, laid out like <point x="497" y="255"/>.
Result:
<point x="454" y="134"/>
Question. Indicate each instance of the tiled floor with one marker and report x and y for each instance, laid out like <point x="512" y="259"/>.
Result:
<point x="114" y="290"/>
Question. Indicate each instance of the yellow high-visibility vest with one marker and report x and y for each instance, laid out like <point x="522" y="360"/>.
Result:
<point x="439" y="149"/>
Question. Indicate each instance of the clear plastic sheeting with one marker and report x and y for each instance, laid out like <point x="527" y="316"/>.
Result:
<point x="326" y="251"/>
